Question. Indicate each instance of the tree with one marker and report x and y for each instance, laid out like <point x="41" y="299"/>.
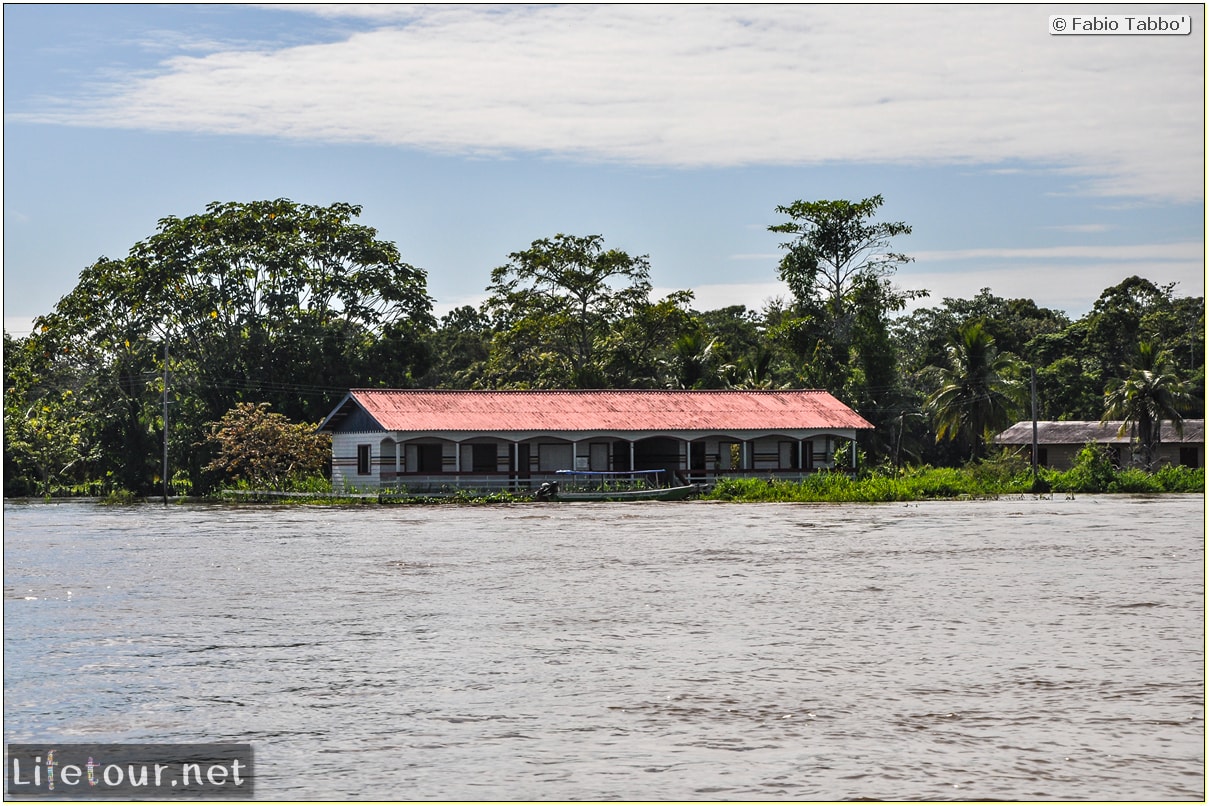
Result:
<point x="1137" y="310"/>
<point x="46" y="435"/>
<point x="737" y="330"/>
<point x="101" y="342"/>
<point x="922" y="339"/>
<point x="1115" y="323"/>
<point x="273" y="300"/>
<point x="265" y="449"/>
<point x="835" y="245"/>
<point x="1076" y="362"/>
<point x="694" y="361"/>
<point x="752" y="371"/>
<point x="640" y="349"/>
<point x="460" y="347"/>
<point x="1012" y="323"/>
<point x="838" y="266"/>
<point x="1150" y="393"/>
<point x="556" y="308"/>
<point x="49" y="433"/>
<point x="979" y="391"/>
<point x="275" y="290"/>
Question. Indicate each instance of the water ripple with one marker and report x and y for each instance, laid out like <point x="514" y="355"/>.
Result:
<point x="1010" y="650"/>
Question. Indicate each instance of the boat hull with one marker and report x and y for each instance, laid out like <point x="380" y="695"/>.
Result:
<point x="656" y="494"/>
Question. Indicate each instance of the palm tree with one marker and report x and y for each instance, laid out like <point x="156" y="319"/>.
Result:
<point x="1150" y="393"/>
<point x="752" y="371"/>
<point x="692" y="357"/>
<point x="979" y="391"/>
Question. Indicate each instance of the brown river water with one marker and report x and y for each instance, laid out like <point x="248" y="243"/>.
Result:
<point x="1025" y="649"/>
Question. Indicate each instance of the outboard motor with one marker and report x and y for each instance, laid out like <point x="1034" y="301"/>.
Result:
<point x="548" y="490"/>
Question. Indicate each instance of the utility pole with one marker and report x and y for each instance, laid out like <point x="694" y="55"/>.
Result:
<point x="1033" y="383"/>
<point x="165" y="473"/>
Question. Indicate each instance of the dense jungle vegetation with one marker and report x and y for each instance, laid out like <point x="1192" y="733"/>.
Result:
<point x="265" y="313"/>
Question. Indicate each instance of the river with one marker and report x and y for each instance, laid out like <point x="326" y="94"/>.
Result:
<point x="1025" y="649"/>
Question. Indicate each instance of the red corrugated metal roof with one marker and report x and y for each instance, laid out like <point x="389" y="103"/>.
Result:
<point x="604" y="410"/>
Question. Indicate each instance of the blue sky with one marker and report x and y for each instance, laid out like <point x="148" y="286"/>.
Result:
<point x="1041" y="166"/>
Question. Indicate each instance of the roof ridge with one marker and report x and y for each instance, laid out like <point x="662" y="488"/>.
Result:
<point x="589" y="391"/>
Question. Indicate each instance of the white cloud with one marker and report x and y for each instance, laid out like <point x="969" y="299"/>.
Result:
<point x="1063" y="286"/>
<point x="1081" y="229"/>
<point x="1186" y="251"/>
<point x="711" y="296"/>
<point x="447" y="304"/>
<point x="1068" y="278"/>
<point x="709" y="85"/>
<point x="19" y="326"/>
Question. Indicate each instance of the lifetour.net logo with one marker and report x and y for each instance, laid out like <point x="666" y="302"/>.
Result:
<point x="134" y="771"/>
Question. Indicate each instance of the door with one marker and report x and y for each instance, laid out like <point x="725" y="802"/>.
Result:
<point x="598" y="453"/>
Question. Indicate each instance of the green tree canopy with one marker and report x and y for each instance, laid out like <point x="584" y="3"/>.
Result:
<point x="558" y="307"/>
<point x="460" y="347"/>
<point x="834" y="245"/>
<point x="47" y="435"/>
<point x="1012" y="323"/>
<point x="1076" y="362"/>
<point x="1150" y="393"/>
<point x="272" y="300"/>
<point x="265" y="449"/>
<point x="839" y="266"/>
<point x="979" y="392"/>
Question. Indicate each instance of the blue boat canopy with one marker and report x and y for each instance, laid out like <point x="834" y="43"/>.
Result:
<point x="606" y="472"/>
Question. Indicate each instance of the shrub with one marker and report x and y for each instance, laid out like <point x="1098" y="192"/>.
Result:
<point x="309" y="484"/>
<point x="1134" y="480"/>
<point x="1180" y="479"/>
<point x="121" y="498"/>
<point x="1001" y="472"/>
<point x="181" y="484"/>
<point x="1092" y="472"/>
<point x="940" y="482"/>
<point x="265" y="449"/>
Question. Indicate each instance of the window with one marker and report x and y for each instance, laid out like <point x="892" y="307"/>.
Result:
<point x="429" y="458"/>
<point x="364" y="467"/>
<point x="553" y="456"/>
<point x="483" y="458"/>
<point x="1189" y="457"/>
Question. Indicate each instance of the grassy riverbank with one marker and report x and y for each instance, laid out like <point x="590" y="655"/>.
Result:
<point x="987" y="479"/>
<point x="1093" y="472"/>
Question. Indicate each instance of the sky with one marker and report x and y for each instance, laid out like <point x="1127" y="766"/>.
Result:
<point x="1040" y="166"/>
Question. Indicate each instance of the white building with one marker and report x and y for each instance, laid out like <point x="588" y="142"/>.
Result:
<point x="387" y="437"/>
